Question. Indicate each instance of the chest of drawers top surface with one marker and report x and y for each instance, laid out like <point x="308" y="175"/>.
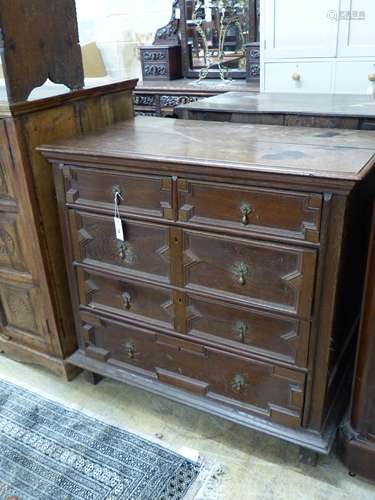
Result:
<point x="345" y="155"/>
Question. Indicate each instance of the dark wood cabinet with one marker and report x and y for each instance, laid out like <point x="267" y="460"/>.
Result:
<point x="233" y="290"/>
<point x="356" y="443"/>
<point x="40" y="41"/>
<point x="36" y="323"/>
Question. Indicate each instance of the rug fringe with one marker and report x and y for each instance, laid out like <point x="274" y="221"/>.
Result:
<point x="209" y="483"/>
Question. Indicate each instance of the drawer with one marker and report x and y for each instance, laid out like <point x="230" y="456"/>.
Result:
<point x="143" y="254"/>
<point x="300" y="76"/>
<point x="126" y="298"/>
<point x="144" y="195"/>
<point x="266" y="275"/>
<point x="250" y="386"/>
<point x="279" y="337"/>
<point x="353" y="78"/>
<point x="279" y="213"/>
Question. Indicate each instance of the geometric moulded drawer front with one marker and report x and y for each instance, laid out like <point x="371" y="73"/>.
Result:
<point x="126" y="299"/>
<point x="248" y="330"/>
<point x="144" y="195"/>
<point x="270" y="276"/>
<point x="144" y="253"/>
<point x="279" y="213"/>
<point x="250" y="386"/>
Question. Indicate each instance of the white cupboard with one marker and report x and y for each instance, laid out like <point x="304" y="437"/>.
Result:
<point x="322" y="46"/>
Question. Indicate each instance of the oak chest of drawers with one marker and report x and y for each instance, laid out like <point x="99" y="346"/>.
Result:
<point x="237" y="287"/>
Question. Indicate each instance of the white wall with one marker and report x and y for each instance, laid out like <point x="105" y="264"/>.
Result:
<point x="120" y="27"/>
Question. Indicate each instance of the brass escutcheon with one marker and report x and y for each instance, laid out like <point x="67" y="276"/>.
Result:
<point x="246" y="210"/>
<point x="130" y="349"/>
<point x="238" y="383"/>
<point x="241" y="329"/>
<point x="117" y="190"/>
<point x="127" y="300"/>
<point x="241" y="271"/>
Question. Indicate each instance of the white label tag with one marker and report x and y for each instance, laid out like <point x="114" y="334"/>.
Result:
<point x="178" y="13"/>
<point x="208" y="14"/>
<point x="119" y="229"/>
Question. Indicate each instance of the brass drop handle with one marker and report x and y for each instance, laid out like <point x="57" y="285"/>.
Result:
<point x="241" y="271"/>
<point x="246" y="210"/>
<point x="371" y="77"/>
<point x="296" y="76"/>
<point x="238" y="383"/>
<point x="127" y="300"/>
<point x="5" y="337"/>
<point x="130" y="349"/>
<point x="241" y="329"/>
<point x="121" y="250"/>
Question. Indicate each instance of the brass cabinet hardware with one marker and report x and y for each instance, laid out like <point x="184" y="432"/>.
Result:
<point x="130" y="349"/>
<point x="241" y="329"/>
<point x="246" y="210"/>
<point x="5" y="337"/>
<point x="116" y="190"/>
<point x="238" y="383"/>
<point x="127" y="300"/>
<point x="241" y="271"/>
<point x="371" y="77"/>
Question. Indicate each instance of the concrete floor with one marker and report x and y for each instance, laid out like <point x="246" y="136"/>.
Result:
<point x="254" y="466"/>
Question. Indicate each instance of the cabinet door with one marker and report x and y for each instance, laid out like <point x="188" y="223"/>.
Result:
<point x="357" y="29"/>
<point x="300" y="28"/>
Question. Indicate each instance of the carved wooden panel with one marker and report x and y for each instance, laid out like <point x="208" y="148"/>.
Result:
<point x="281" y="213"/>
<point x="144" y="195"/>
<point x="11" y="255"/>
<point x="267" y="275"/>
<point x="45" y="33"/>
<point x="142" y="253"/>
<point x="21" y="306"/>
<point x="250" y="386"/>
<point x="131" y="300"/>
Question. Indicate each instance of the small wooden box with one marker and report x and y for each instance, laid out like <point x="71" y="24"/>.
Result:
<point x="161" y="62"/>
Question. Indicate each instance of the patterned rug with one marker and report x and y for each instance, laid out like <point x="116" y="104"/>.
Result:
<point x="50" y="452"/>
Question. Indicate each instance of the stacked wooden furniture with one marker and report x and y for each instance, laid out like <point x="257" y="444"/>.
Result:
<point x="35" y="313"/>
<point x="158" y="98"/>
<point x="237" y="287"/>
<point x="357" y="436"/>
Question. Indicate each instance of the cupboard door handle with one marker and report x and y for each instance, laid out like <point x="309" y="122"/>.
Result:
<point x="371" y="77"/>
<point x="127" y="300"/>
<point x="5" y="337"/>
<point x="241" y="271"/>
<point x="296" y="76"/>
<point x="130" y="350"/>
<point x="241" y="329"/>
<point x="238" y="384"/>
<point x="246" y="210"/>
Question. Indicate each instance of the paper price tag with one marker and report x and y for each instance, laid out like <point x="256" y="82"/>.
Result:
<point x="178" y="13"/>
<point x="119" y="229"/>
